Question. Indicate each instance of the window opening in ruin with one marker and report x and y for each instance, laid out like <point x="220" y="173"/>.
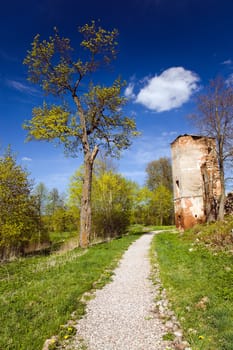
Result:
<point x="177" y="188"/>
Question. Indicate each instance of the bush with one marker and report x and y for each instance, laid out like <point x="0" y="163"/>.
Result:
<point x="19" y="219"/>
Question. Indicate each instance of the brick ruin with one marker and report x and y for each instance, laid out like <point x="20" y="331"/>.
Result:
<point x="196" y="180"/>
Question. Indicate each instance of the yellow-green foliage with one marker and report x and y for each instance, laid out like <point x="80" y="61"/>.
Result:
<point x="112" y="198"/>
<point x="19" y="220"/>
<point x="162" y="204"/>
<point x="112" y="204"/>
<point x="95" y="117"/>
<point x="63" y="219"/>
<point x="48" y="123"/>
<point x="152" y="207"/>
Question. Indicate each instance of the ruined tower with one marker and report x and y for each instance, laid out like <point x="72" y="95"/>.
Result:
<point x="196" y="180"/>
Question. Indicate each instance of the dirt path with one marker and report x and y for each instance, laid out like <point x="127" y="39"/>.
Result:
<point x="123" y="316"/>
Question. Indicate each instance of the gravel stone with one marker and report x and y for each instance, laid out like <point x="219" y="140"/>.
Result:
<point x="121" y="315"/>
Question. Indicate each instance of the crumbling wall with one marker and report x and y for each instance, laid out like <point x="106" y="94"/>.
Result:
<point x="196" y="180"/>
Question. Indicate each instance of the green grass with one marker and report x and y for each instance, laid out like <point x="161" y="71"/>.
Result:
<point x="199" y="284"/>
<point x="156" y="228"/>
<point x="59" y="237"/>
<point x="39" y="294"/>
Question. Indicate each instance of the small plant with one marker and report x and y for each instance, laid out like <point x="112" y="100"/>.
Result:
<point x="148" y="318"/>
<point x="169" y="336"/>
<point x="66" y="331"/>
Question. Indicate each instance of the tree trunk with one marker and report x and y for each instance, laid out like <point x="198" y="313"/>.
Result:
<point x="89" y="158"/>
<point x="85" y="215"/>
<point x="222" y="197"/>
<point x="222" y="179"/>
<point x="161" y="220"/>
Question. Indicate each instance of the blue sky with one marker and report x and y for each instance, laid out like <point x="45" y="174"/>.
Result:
<point x="168" y="51"/>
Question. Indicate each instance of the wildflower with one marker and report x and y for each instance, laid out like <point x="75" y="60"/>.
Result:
<point x="201" y="337"/>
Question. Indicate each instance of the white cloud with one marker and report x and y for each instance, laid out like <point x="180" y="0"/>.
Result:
<point x="7" y="57"/>
<point x="169" y="90"/>
<point x="21" y="87"/>
<point x="227" y="62"/>
<point x="129" y="91"/>
<point x="170" y="133"/>
<point x="26" y="159"/>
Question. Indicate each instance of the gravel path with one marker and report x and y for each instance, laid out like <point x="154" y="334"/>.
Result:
<point x="121" y="315"/>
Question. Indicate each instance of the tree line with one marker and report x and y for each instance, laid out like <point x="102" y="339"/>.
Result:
<point x="29" y="213"/>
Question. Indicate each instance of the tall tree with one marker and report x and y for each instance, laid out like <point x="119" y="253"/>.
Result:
<point x="55" y="201"/>
<point x="40" y="193"/>
<point x="159" y="173"/>
<point x="215" y="119"/>
<point x="142" y="198"/>
<point x="162" y="204"/>
<point x="19" y="216"/>
<point x="94" y="117"/>
<point x="104" y="164"/>
<point x="112" y="199"/>
<point x="112" y="204"/>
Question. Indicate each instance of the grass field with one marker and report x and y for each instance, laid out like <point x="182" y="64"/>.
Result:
<point x="199" y="284"/>
<point x="39" y="294"/>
